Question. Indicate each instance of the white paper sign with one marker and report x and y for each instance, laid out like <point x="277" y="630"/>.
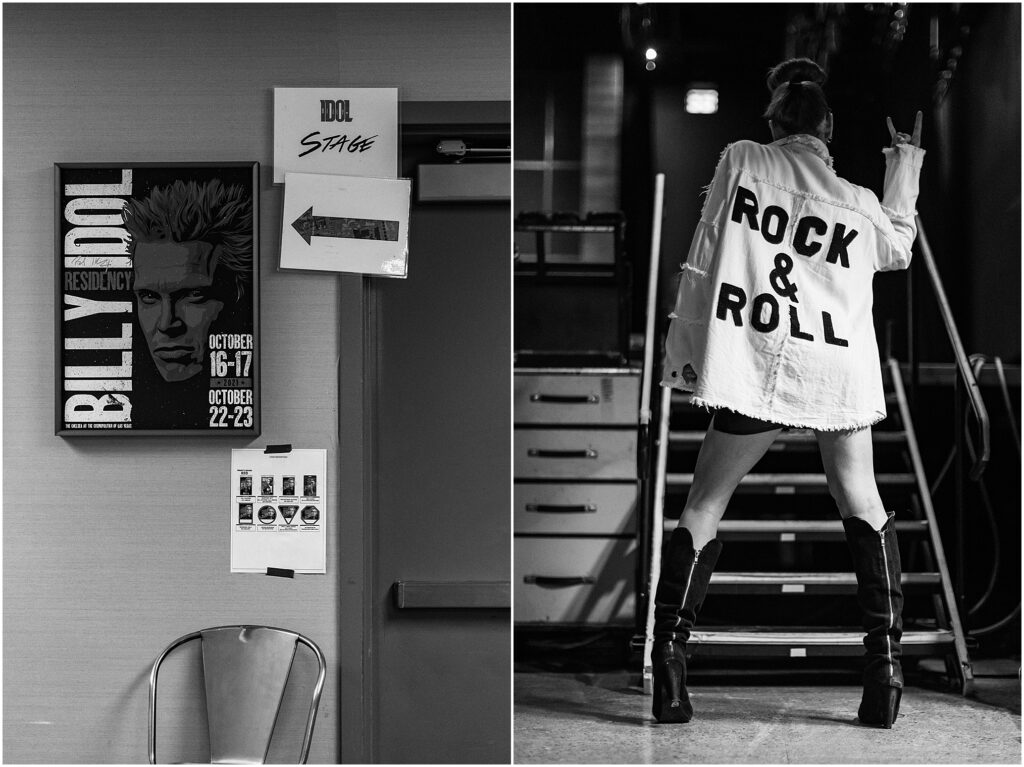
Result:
<point x="346" y="224"/>
<point x="349" y="131"/>
<point x="279" y="511"/>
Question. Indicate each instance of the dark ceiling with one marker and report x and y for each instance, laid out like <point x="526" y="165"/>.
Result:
<point x="730" y="42"/>
<point x="697" y="34"/>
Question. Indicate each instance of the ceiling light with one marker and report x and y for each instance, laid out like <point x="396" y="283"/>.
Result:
<point x="702" y="101"/>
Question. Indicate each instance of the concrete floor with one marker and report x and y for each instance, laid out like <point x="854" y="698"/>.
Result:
<point x="595" y="718"/>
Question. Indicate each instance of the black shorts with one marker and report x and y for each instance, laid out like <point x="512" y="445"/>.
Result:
<point x="733" y="423"/>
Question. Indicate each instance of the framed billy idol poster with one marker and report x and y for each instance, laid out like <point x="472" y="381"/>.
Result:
<point x="157" y="299"/>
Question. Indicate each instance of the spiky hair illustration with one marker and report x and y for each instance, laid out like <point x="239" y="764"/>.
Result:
<point x="210" y="212"/>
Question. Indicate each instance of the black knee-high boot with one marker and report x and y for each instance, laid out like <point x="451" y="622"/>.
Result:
<point x="685" y="574"/>
<point x="876" y="561"/>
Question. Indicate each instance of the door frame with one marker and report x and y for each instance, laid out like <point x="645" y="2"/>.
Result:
<point x="356" y="525"/>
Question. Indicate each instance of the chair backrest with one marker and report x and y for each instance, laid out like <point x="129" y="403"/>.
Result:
<point x="245" y="671"/>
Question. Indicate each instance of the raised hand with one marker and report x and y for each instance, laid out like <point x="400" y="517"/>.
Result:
<point x="903" y="138"/>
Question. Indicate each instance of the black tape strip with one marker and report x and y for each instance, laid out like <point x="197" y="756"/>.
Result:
<point x="278" y="449"/>
<point x="280" y="572"/>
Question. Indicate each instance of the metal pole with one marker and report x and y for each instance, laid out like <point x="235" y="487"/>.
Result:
<point x="972" y="391"/>
<point x="647" y="378"/>
<point x="958" y="500"/>
<point x="652" y="299"/>
<point x="912" y="338"/>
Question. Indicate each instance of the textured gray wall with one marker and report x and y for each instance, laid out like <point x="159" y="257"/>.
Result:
<point x="113" y="547"/>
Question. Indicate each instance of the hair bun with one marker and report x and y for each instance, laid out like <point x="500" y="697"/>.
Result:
<point x="794" y="71"/>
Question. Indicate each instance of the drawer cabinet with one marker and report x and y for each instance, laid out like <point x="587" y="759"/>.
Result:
<point x="576" y="399"/>
<point x="575" y="454"/>
<point x="575" y="496"/>
<point x="574" y="508"/>
<point x="575" y="580"/>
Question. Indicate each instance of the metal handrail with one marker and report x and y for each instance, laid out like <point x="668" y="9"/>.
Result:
<point x="643" y="441"/>
<point x="656" y="532"/>
<point x="953" y="606"/>
<point x="962" y="363"/>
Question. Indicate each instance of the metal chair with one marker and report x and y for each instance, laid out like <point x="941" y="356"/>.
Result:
<point x="245" y="670"/>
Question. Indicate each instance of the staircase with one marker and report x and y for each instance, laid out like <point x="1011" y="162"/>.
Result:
<point x="784" y="586"/>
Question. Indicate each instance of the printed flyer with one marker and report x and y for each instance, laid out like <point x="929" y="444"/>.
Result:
<point x="157" y="297"/>
<point x="279" y="511"/>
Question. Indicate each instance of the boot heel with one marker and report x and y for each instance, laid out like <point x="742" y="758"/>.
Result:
<point x="880" y="705"/>
<point x="891" y="704"/>
<point x="671" y="703"/>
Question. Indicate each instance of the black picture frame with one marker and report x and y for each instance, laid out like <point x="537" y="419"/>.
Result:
<point x="157" y="297"/>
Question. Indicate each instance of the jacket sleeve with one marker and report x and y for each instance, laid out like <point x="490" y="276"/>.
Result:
<point x="694" y="293"/>
<point x="899" y="201"/>
<point x="702" y="245"/>
<point x="686" y="340"/>
<point x="712" y="212"/>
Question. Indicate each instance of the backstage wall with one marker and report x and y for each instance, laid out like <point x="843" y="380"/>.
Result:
<point x="113" y="547"/>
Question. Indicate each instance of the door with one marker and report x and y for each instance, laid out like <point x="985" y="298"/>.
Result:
<point x="443" y="488"/>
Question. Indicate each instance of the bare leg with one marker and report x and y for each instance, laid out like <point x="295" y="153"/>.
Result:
<point x="723" y="461"/>
<point x="848" y="457"/>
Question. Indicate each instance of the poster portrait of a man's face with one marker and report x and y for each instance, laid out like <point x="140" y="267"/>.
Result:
<point x="191" y="247"/>
<point x="175" y="247"/>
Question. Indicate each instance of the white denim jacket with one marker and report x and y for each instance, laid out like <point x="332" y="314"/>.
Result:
<point x="773" y="312"/>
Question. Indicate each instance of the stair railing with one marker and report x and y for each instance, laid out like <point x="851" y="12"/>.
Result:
<point x="964" y="381"/>
<point x="651" y="490"/>
<point x="963" y="365"/>
<point x="953" y="607"/>
<point x="650" y="339"/>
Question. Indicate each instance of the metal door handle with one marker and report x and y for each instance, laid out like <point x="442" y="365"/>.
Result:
<point x="564" y="508"/>
<point x="566" y="399"/>
<point x="534" y="452"/>
<point x="558" y="580"/>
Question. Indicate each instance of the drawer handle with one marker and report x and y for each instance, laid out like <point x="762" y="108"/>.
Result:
<point x="535" y="452"/>
<point x="558" y="580"/>
<point x="564" y="508"/>
<point x="566" y="399"/>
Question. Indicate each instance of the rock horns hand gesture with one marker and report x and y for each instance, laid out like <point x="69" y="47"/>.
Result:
<point x="903" y="138"/>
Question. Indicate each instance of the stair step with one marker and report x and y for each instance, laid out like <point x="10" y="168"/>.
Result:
<point x="684" y="428"/>
<point x="783" y="483"/>
<point x="785" y="530"/>
<point x="800" y="644"/>
<point x="807" y="583"/>
<point x="800" y="438"/>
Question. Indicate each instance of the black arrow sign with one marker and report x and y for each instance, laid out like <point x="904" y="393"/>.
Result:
<point x="309" y="226"/>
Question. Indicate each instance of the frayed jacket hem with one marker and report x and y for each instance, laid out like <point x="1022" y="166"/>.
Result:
<point x="712" y="404"/>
